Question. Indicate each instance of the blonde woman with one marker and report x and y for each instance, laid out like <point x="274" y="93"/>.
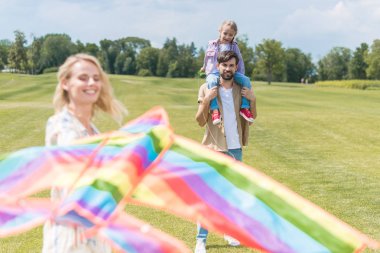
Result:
<point x="83" y="87"/>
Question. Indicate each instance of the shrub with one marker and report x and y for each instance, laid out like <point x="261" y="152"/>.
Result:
<point x="50" y="70"/>
<point x="144" y="72"/>
<point x="352" y="84"/>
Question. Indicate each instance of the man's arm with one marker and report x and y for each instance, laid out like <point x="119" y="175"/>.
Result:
<point x="204" y="104"/>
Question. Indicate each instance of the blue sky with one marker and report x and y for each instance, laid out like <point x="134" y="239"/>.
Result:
<point x="314" y="26"/>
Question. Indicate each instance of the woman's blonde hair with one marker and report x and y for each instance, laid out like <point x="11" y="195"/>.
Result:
<point x="106" y="101"/>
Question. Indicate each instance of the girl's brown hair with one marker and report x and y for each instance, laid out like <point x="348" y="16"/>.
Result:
<point x="231" y="24"/>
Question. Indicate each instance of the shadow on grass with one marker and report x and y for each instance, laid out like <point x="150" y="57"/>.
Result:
<point x="287" y="85"/>
<point x="223" y="246"/>
<point x="16" y="92"/>
<point x="35" y="89"/>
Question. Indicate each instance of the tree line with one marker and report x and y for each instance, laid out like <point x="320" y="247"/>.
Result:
<point x="267" y="61"/>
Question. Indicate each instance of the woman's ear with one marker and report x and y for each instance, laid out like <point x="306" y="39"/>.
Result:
<point x="63" y="84"/>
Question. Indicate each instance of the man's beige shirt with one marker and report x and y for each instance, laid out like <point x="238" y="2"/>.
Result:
<point x="214" y="136"/>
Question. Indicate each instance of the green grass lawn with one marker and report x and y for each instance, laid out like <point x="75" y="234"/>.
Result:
<point x="321" y="142"/>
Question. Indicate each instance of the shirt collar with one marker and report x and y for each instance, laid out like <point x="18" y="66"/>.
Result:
<point x="78" y="125"/>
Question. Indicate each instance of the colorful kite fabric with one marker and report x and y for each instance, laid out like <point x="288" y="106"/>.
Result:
<point x="146" y="163"/>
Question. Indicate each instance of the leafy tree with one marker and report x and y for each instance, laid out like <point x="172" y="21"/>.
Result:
<point x="119" y="56"/>
<point x="34" y="56"/>
<point x="120" y="61"/>
<point x="357" y="66"/>
<point x="55" y="49"/>
<point x="298" y="65"/>
<point x="373" y="61"/>
<point x="88" y="48"/>
<point x="136" y="43"/>
<point x="200" y="58"/>
<point x="334" y="66"/>
<point x="167" y="60"/>
<point x="186" y="64"/>
<point x="125" y="62"/>
<point x="247" y="54"/>
<point x="172" y="69"/>
<point x="270" y="60"/>
<point x="92" y="49"/>
<point x="79" y="46"/>
<point x="177" y="60"/>
<point x="17" y="58"/>
<point x="109" y="52"/>
<point x="147" y="61"/>
<point x="163" y="63"/>
<point x="4" y="51"/>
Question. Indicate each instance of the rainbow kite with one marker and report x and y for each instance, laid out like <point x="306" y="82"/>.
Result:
<point x="146" y="163"/>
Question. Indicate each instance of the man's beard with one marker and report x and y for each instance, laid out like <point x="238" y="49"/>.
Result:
<point x="227" y="75"/>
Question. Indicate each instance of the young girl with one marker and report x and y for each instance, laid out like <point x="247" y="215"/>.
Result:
<point x="225" y="42"/>
<point x="82" y="88"/>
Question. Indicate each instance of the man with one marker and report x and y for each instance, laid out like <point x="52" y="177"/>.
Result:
<point x="230" y="136"/>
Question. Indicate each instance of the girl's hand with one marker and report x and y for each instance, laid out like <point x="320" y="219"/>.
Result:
<point x="248" y="94"/>
<point x="202" y="73"/>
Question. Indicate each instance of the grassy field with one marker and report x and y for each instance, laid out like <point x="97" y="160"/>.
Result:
<point x="321" y="142"/>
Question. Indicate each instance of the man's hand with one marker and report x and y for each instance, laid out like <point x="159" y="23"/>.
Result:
<point x="204" y="105"/>
<point x="248" y="94"/>
<point x="211" y="94"/>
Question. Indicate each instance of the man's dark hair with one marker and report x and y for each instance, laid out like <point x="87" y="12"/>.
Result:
<point x="225" y="56"/>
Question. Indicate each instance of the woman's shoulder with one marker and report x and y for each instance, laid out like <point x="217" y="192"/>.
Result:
<point x="60" y="119"/>
<point x="60" y="129"/>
